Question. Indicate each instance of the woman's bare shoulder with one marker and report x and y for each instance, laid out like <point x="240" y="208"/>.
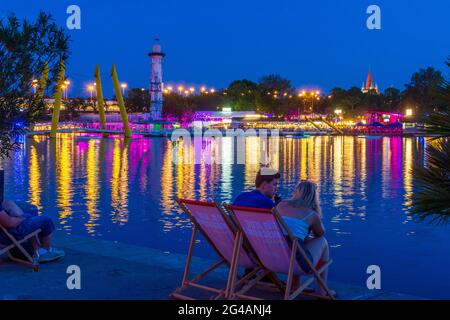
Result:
<point x="287" y="209"/>
<point x="282" y="204"/>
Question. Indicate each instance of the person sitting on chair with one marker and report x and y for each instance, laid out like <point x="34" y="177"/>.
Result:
<point x="20" y="224"/>
<point x="264" y="196"/>
<point x="303" y="215"/>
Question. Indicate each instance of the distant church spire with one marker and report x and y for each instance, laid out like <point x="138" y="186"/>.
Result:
<point x="369" y="85"/>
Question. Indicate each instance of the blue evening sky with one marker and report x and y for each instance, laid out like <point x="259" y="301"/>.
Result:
<point x="320" y="44"/>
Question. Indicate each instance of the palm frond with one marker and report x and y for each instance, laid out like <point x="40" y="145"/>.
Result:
<point x="431" y="201"/>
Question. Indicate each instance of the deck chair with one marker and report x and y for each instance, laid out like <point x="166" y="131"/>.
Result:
<point x="262" y="228"/>
<point x="28" y="259"/>
<point x="223" y="236"/>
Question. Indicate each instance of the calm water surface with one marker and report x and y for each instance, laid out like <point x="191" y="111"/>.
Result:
<point x="125" y="191"/>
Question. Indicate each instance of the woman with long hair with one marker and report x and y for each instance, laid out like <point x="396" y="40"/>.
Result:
<point x="303" y="215"/>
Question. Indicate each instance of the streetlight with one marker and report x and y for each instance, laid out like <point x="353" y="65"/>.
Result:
<point x="90" y="89"/>
<point x="192" y="89"/>
<point x="202" y="89"/>
<point x="123" y="86"/>
<point x="34" y="84"/>
<point x="212" y="90"/>
<point x="180" y="89"/>
<point x="409" y="112"/>
<point x="65" y="87"/>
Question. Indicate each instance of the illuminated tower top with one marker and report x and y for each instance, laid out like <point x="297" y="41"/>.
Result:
<point x="369" y="85"/>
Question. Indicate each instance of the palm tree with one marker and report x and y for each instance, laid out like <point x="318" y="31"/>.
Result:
<point x="432" y="201"/>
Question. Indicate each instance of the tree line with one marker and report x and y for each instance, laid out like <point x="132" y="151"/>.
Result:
<point x="275" y="95"/>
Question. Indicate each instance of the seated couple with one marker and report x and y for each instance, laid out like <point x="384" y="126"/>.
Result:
<point x="20" y="224"/>
<point x="301" y="213"/>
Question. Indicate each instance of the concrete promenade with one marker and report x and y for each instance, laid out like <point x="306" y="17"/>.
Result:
<point x="112" y="270"/>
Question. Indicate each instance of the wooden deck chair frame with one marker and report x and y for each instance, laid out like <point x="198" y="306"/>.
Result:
<point x="231" y="286"/>
<point x="303" y="289"/>
<point x="194" y="282"/>
<point x="18" y="244"/>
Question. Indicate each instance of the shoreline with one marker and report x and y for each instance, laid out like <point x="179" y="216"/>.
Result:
<point x="112" y="270"/>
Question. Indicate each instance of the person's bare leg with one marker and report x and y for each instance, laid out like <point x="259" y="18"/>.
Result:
<point x="35" y="243"/>
<point x="46" y="242"/>
<point x="318" y="247"/>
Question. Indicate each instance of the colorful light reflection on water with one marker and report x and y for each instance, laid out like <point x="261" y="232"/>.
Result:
<point x="124" y="191"/>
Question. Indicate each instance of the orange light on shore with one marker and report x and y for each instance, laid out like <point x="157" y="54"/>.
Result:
<point x="409" y="112"/>
<point x="91" y="88"/>
<point x="123" y="86"/>
<point x="202" y="89"/>
<point x="34" y="84"/>
<point x="212" y="90"/>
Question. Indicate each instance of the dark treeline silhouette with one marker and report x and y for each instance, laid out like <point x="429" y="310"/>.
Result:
<point x="274" y="94"/>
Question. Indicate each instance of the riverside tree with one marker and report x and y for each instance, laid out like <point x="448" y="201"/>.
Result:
<point x="431" y="200"/>
<point x="25" y="48"/>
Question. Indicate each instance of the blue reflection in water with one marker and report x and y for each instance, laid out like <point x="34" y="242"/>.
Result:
<point x="125" y="191"/>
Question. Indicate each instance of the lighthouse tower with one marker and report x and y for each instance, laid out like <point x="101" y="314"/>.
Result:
<point x="156" y="82"/>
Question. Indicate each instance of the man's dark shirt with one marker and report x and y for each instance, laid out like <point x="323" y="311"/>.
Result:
<point x="254" y="199"/>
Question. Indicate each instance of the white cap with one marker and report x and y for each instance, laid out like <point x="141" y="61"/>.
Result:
<point x="266" y="171"/>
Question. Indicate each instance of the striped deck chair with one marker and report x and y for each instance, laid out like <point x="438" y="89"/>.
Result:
<point x="28" y="259"/>
<point x="262" y="228"/>
<point x="223" y="236"/>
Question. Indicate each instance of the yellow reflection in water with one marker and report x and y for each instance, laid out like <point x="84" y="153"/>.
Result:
<point x="227" y="163"/>
<point x="304" y="159"/>
<point x="337" y="170"/>
<point x="92" y="186"/>
<point x="362" y="166"/>
<point x="317" y="160"/>
<point x="274" y="152"/>
<point x="407" y="171"/>
<point x="252" y="158"/>
<point x="167" y="177"/>
<point x="64" y="162"/>
<point x="35" y="178"/>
